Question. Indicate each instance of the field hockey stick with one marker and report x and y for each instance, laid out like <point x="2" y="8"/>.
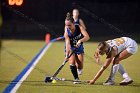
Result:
<point x="49" y="79"/>
<point x="69" y="80"/>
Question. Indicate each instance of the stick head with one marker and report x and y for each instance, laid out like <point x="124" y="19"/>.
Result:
<point x="48" y="79"/>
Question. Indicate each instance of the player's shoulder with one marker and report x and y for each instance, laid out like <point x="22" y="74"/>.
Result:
<point x="80" y="20"/>
<point x="80" y="26"/>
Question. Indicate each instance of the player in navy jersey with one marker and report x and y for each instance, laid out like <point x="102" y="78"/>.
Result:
<point x="77" y="20"/>
<point x="75" y="35"/>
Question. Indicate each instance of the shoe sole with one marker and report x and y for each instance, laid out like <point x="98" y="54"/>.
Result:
<point x="108" y="84"/>
<point x="76" y="82"/>
<point x="126" y="83"/>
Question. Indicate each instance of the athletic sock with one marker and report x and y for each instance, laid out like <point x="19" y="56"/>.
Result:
<point x="74" y="71"/>
<point x="123" y="72"/>
<point x="114" y="71"/>
<point x="79" y="71"/>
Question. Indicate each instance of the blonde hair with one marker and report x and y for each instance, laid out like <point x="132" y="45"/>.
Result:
<point x="102" y="45"/>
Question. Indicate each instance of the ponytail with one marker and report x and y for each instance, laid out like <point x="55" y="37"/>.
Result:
<point x="69" y="17"/>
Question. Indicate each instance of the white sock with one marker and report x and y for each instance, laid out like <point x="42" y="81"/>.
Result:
<point x="123" y="72"/>
<point x="125" y="76"/>
<point x="115" y="69"/>
<point x="79" y="71"/>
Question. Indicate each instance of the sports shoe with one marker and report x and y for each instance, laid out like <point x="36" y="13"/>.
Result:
<point x="109" y="82"/>
<point x="126" y="81"/>
<point x="79" y="71"/>
<point x="77" y="81"/>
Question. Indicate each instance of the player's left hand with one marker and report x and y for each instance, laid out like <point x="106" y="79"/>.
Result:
<point x="97" y="60"/>
<point x="78" y="43"/>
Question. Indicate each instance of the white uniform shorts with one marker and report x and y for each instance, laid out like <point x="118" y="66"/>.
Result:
<point x="133" y="47"/>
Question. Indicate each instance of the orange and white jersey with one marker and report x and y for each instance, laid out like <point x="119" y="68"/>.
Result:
<point x="123" y="43"/>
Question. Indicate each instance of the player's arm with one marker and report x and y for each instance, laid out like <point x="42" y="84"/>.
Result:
<point x="99" y="73"/>
<point x="97" y="56"/>
<point x="67" y="42"/>
<point x="85" y="34"/>
<point x="82" y="23"/>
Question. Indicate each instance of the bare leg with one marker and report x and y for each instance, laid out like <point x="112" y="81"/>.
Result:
<point x="79" y="63"/>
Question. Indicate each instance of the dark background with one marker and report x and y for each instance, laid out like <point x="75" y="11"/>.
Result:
<point x="104" y="19"/>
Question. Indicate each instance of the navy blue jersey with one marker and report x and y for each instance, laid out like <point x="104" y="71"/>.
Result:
<point x="77" y="22"/>
<point x="74" y="37"/>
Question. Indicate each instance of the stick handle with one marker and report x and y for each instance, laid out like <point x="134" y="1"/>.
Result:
<point x="65" y="61"/>
<point x="56" y="39"/>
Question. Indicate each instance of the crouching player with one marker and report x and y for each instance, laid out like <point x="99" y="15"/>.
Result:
<point x="116" y="50"/>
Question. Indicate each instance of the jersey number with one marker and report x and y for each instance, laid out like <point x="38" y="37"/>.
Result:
<point x="119" y="41"/>
<point x="16" y="2"/>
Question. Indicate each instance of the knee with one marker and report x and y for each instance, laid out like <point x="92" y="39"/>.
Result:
<point x="116" y="60"/>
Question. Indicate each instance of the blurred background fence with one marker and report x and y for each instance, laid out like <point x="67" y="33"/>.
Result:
<point x="104" y="19"/>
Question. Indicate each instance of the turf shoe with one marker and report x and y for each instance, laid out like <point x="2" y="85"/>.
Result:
<point x="109" y="82"/>
<point x="126" y="81"/>
<point x="77" y="81"/>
